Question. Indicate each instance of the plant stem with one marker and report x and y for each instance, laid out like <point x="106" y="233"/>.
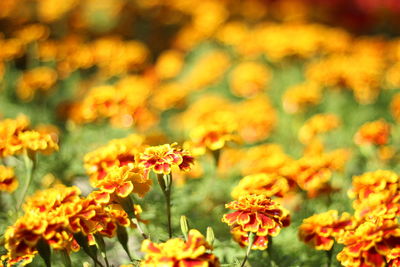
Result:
<point x="28" y="162"/>
<point x="251" y="241"/>
<point x="329" y="254"/>
<point x="165" y="182"/>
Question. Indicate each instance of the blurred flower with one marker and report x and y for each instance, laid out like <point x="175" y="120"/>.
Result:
<point x="395" y="107"/>
<point x="40" y="79"/>
<point x="169" y="64"/>
<point x="118" y="152"/>
<point x="320" y="230"/>
<point x="299" y="97"/>
<point x="16" y="137"/>
<point x="8" y="181"/>
<point x="177" y="252"/>
<point x="317" y="124"/>
<point x="373" y="133"/>
<point x="249" y="79"/>
<point x="255" y="214"/>
<point x="262" y="183"/>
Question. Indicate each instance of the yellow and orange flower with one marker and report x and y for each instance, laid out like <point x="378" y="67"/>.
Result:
<point x="320" y="230"/>
<point x="161" y="159"/>
<point x="123" y="181"/>
<point x="177" y="252"/>
<point x="320" y="123"/>
<point x="118" y="152"/>
<point x="371" y="244"/>
<point x="262" y="183"/>
<point x="16" y="137"/>
<point x="373" y="133"/>
<point x="8" y="181"/>
<point x="256" y="214"/>
<point x="212" y="136"/>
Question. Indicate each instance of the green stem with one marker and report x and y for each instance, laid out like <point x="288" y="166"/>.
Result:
<point x="28" y="162"/>
<point x="329" y="254"/>
<point x="251" y="241"/>
<point x="165" y="182"/>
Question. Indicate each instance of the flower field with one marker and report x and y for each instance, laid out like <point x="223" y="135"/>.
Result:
<point x="176" y="133"/>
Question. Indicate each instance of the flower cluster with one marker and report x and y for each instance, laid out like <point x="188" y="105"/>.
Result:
<point x="195" y="251"/>
<point x="256" y="214"/>
<point x="55" y="216"/>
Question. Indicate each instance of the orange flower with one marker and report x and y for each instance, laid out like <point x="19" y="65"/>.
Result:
<point x="371" y="244"/>
<point x="249" y="79"/>
<point x="373" y="133"/>
<point x="320" y="123"/>
<point x="118" y="152"/>
<point x="161" y="159"/>
<point x="262" y="183"/>
<point x="40" y="79"/>
<point x="297" y="98"/>
<point x="123" y="181"/>
<point x="176" y="252"/>
<point x="320" y="229"/>
<point x="255" y="214"/>
<point x="15" y="137"/>
<point x="8" y="182"/>
<point x="395" y="106"/>
<point x="212" y="136"/>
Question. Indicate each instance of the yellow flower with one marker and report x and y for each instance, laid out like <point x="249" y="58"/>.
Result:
<point x="299" y="97"/>
<point x="40" y="79"/>
<point x="8" y="181"/>
<point x="317" y="124"/>
<point x="249" y="79"/>
<point x="262" y="183"/>
<point x="169" y="64"/>
<point x="374" y="133"/>
<point x="319" y="230"/>
<point x="123" y="181"/>
<point x="176" y="252"/>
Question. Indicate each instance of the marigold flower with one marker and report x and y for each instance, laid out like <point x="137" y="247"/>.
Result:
<point x="39" y="79"/>
<point x="372" y="243"/>
<point x="320" y="230"/>
<point x="374" y="133"/>
<point x="8" y="181"/>
<point x="176" y="252"/>
<point x="257" y="214"/>
<point x="118" y="152"/>
<point x="161" y="159"/>
<point x="169" y="64"/>
<point x="263" y="183"/>
<point x="123" y="181"/>
<point x="376" y="193"/>
<point x="299" y="97"/>
<point x="256" y="119"/>
<point x="16" y="137"/>
<point x="212" y="136"/>
<point x="249" y="79"/>
<point x="320" y="123"/>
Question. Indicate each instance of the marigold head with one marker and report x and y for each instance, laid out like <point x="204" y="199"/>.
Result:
<point x="257" y="214"/>
<point x="177" y="252"/>
<point x="161" y="159"/>
<point x="372" y="243"/>
<point x="373" y="133"/>
<point x="8" y="181"/>
<point x="320" y="230"/>
<point x="317" y="124"/>
<point x="123" y="181"/>
<point x="263" y="183"/>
